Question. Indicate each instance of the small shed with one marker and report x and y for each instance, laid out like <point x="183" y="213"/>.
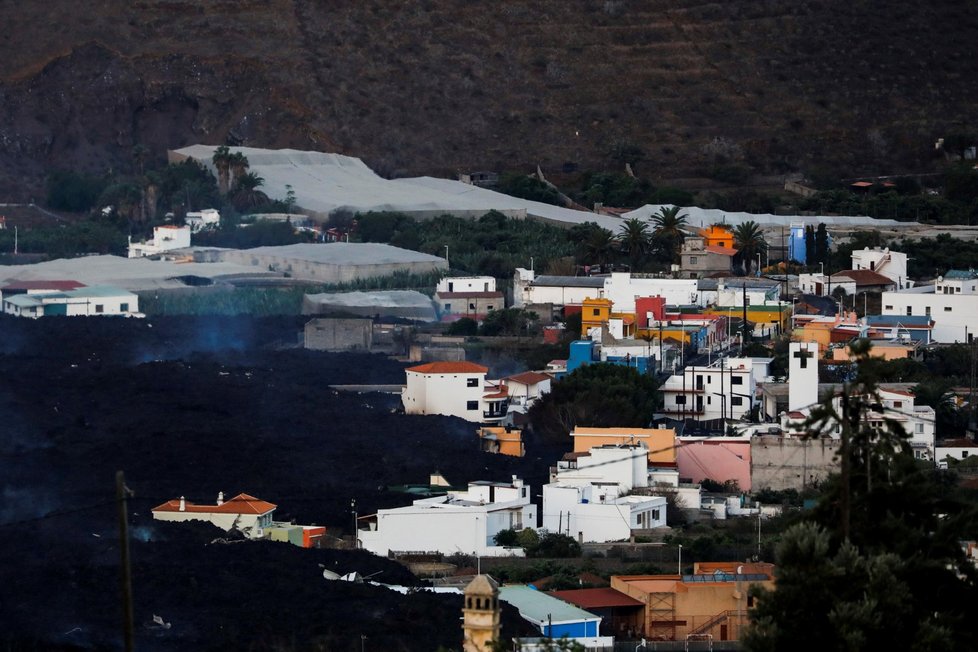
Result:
<point x="554" y="618"/>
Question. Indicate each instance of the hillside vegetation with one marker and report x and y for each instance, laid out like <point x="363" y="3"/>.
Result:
<point x="677" y="88"/>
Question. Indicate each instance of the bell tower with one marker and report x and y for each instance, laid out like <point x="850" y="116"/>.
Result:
<point x="480" y="614"/>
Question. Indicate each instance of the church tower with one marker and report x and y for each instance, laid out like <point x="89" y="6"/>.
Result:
<point x="480" y="614"/>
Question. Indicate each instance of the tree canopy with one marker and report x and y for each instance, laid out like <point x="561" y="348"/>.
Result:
<point x="599" y="394"/>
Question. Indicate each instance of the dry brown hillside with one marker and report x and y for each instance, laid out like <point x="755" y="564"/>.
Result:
<point x="432" y="86"/>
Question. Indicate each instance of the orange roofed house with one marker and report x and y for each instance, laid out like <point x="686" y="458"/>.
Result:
<point x="456" y="389"/>
<point x="712" y="602"/>
<point x="661" y="442"/>
<point x="243" y="512"/>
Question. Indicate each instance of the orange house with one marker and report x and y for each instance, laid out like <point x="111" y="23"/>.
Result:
<point x="712" y="602"/>
<point x="661" y="442"/>
<point x="594" y="314"/>
<point x="501" y="440"/>
<point x="717" y="235"/>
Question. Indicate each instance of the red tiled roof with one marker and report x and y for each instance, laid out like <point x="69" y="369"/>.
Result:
<point x="528" y="378"/>
<point x="449" y="368"/>
<point x="961" y="442"/>
<point x="863" y="277"/>
<point x="469" y="295"/>
<point x="240" y="504"/>
<point x="43" y="285"/>
<point x="862" y="184"/>
<point x="596" y="598"/>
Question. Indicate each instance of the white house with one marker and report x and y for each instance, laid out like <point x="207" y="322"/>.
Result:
<point x="243" y="512"/>
<point x="200" y="220"/>
<point x="588" y="496"/>
<point x="952" y="302"/>
<point x="891" y="264"/>
<point x="722" y="390"/>
<point x="623" y="288"/>
<point x="463" y="521"/>
<point x="92" y="301"/>
<point x="165" y="238"/>
<point x="526" y="388"/>
<point x="958" y="449"/>
<point x="457" y="389"/>
<point x="466" y="284"/>
<point x="530" y="289"/>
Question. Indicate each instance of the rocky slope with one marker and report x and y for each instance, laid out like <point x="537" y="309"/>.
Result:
<point x="434" y="86"/>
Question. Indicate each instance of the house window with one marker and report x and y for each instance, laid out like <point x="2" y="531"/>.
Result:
<point x="898" y="404"/>
<point x="692" y="260"/>
<point x="909" y="310"/>
<point x="99" y="308"/>
<point x="888" y="307"/>
<point x="927" y="311"/>
<point x="736" y="380"/>
<point x="919" y="428"/>
<point x="964" y="454"/>
<point x="472" y="382"/>
<point x="709" y="400"/>
<point x="947" y="308"/>
<point x="472" y="405"/>
<point x="596" y="311"/>
<point x="471" y="306"/>
<point x="655" y="515"/>
<point x="448" y="306"/>
<point x="516" y="520"/>
<point x="123" y="307"/>
<point x="680" y="400"/>
<point x="737" y="400"/>
<point x="490" y="307"/>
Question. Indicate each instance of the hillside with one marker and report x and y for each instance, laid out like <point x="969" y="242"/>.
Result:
<point x="424" y="87"/>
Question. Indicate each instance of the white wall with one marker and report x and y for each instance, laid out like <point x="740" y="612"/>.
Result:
<point x="622" y="289"/>
<point x="247" y="523"/>
<point x="721" y="397"/>
<point x="957" y="452"/>
<point x="955" y="315"/>
<point x="894" y="269"/>
<point x="446" y="394"/>
<point x="466" y="284"/>
<point x="625" y="466"/>
<point x="596" y="522"/>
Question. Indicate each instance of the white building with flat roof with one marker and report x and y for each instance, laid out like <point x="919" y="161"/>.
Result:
<point x="589" y="498"/>
<point x="891" y="264"/>
<point x="952" y="302"/>
<point x="165" y="238"/>
<point x="93" y="301"/>
<point x="466" y="284"/>
<point x="623" y="288"/>
<point x="459" y="522"/>
<point x="723" y="390"/>
<point x="199" y="220"/>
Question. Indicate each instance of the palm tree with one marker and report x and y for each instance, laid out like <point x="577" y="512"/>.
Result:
<point x="246" y="194"/>
<point x="238" y="163"/>
<point x="599" y="246"/>
<point x="669" y="224"/>
<point x="634" y="239"/>
<point x="749" y="242"/>
<point x="222" y="163"/>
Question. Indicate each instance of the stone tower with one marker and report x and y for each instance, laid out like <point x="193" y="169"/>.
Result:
<point x="480" y="614"/>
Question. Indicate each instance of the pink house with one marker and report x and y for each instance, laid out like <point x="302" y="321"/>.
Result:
<point x="715" y="458"/>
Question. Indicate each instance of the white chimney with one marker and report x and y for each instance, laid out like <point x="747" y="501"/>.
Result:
<point x="183" y="504"/>
<point x="220" y="498"/>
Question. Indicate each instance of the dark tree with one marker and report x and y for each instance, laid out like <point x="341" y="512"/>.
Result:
<point x="821" y="244"/>
<point x="601" y="395"/>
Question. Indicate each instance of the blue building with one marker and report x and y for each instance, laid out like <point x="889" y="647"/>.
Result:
<point x="554" y="618"/>
<point x="584" y="352"/>
<point x="796" y="244"/>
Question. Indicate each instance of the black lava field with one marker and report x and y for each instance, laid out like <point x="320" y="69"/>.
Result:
<point x="194" y="406"/>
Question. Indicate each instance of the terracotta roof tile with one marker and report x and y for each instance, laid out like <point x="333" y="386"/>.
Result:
<point x="449" y="368"/>
<point x="240" y="504"/>
<point x="528" y="378"/>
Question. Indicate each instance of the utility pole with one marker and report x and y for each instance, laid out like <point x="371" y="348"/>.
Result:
<point x="744" y="334"/>
<point x="121" y="494"/>
<point x="846" y="472"/>
<point x="353" y="508"/>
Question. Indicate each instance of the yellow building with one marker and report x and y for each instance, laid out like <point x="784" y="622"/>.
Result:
<point x="713" y="601"/>
<point x="717" y="235"/>
<point x="767" y="316"/>
<point x="661" y="442"/>
<point x="882" y="350"/>
<point x="501" y="440"/>
<point x="596" y="313"/>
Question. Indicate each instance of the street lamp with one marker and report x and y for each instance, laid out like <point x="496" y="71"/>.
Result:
<point x="446" y="257"/>
<point x="353" y="508"/>
<point x="680" y="573"/>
